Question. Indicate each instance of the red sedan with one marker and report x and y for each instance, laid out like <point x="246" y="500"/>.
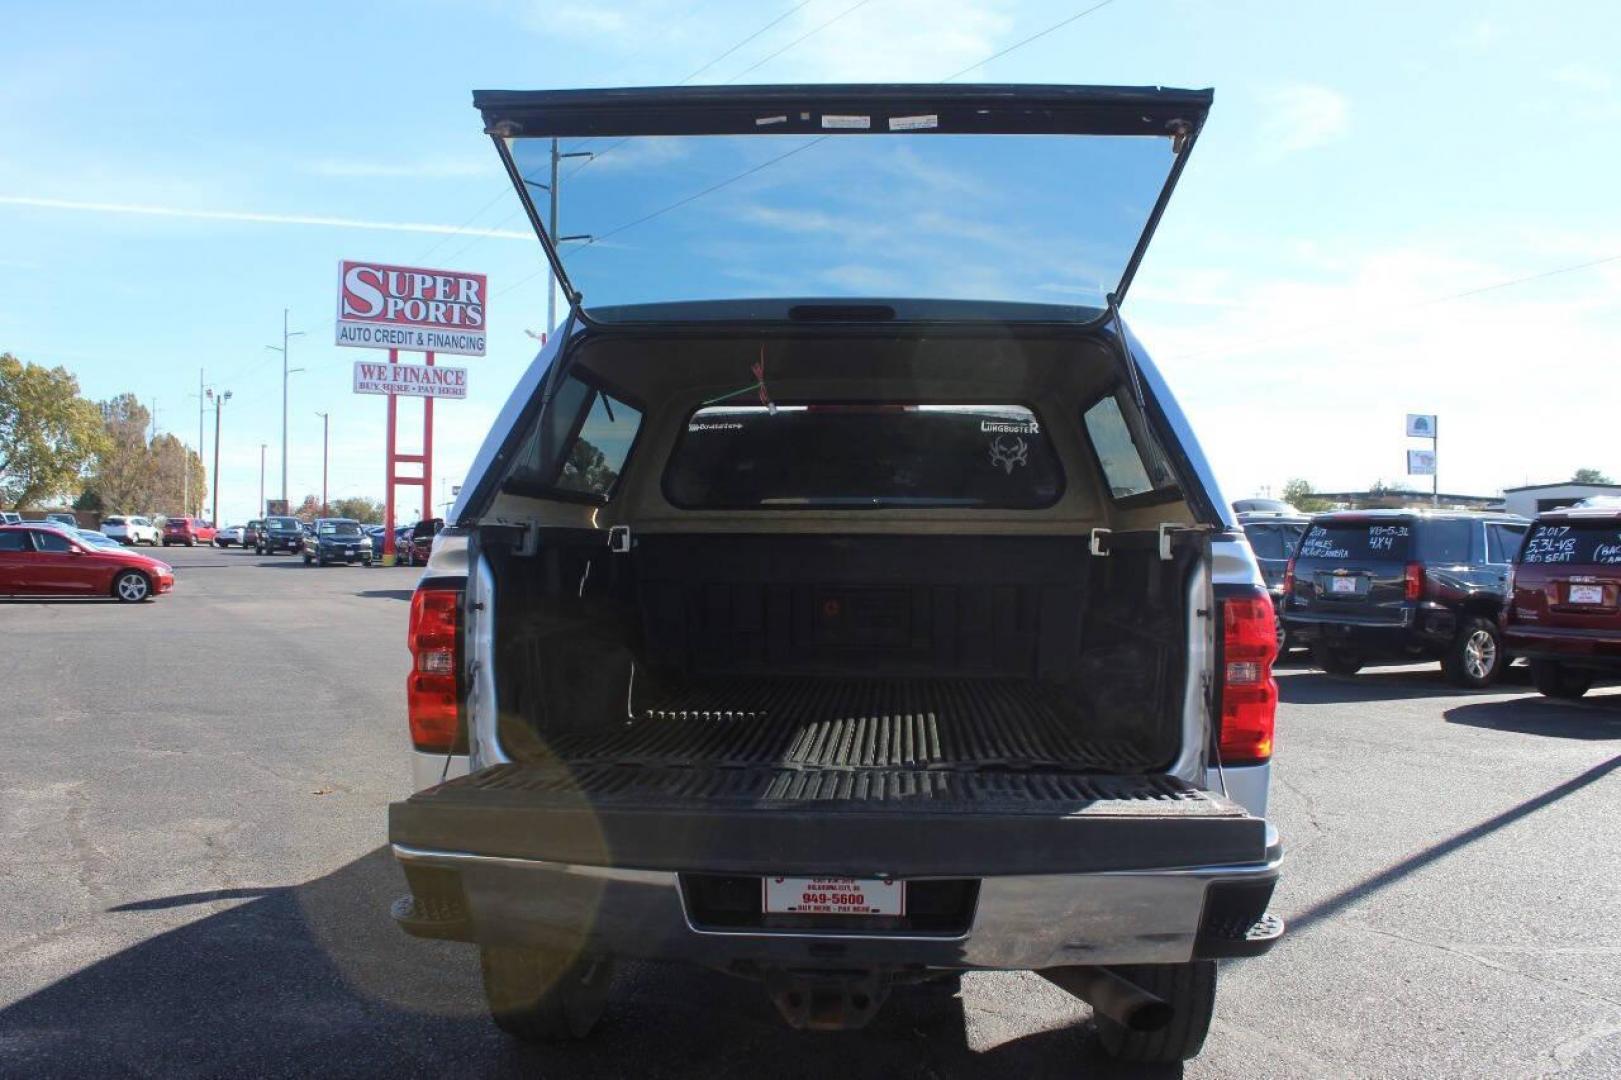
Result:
<point x="37" y="560"/>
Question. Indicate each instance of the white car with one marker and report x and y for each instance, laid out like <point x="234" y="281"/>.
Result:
<point x="228" y="536"/>
<point x="131" y="530"/>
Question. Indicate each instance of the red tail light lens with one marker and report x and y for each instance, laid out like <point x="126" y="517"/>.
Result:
<point x="1289" y="578"/>
<point x="1249" y="695"/>
<point x="1415" y="581"/>
<point x="433" y="699"/>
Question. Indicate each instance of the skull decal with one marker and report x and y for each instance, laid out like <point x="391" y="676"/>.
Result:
<point x="1008" y="451"/>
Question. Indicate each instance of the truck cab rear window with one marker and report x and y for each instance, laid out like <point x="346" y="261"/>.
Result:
<point x="1383" y="541"/>
<point x="863" y="456"/>
<point x="1582" y="543"/>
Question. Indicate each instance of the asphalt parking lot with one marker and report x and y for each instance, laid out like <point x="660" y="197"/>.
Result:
<point x="195" y="883"/>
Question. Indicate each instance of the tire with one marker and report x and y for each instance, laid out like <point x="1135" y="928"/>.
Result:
<point x="1189" y="989"/>
<point x="1336" y="661"/>
<point x="308" y="561"/>
<point x="1283" y="638"/>
<point x="1475" y="657"/>
<point x="543" y="996"/>
<point x="365" y="562"/>
<point x="132" y="587"/>
<point x="166" y="543"/>
<point x="191" y="543"/>
<point x="1556" y="680"/>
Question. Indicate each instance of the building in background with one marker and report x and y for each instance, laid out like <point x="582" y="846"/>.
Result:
<point x="1532" y="499"/>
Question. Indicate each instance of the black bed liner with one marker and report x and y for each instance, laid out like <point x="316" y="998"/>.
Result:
<point x="910" y="822"/>
<point x="962" y="724"/>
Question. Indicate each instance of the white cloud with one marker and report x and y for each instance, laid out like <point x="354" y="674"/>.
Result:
<point x="1583" y="77"/>
<point x="1304" y="116"/>
<point x="253" y="217"/>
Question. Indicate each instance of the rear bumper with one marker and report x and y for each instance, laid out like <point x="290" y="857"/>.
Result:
<point x="1019" y="922"/>
<point x="1422" y="629"/>
<point x="1582" y="648"/>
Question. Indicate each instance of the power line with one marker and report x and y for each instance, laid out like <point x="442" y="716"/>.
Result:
<point x="803" y="37"/>
<point x="1033" y="37"/>
<point x="1066" y="21"/>
<point x="745" y="41"/>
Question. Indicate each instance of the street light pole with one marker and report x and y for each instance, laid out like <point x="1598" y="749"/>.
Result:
<point x="557" y="241"/>
<point x="219" y="403"/>
<point x="325" y="421"/>
<point x="286" y="335"/>
<point x="261" y="510"/>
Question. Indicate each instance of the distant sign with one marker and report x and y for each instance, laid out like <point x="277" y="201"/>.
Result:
<point x="410" y="308"/>
<point x="276" y="507"/>
<point x="1421" y="463"/>
<point x="411" y="380"/>
<point x="1420" y="426"/>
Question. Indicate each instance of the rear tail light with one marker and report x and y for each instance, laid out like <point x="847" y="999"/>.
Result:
<point x="1249" y="696"/>
<point x="433" y="697"/>
<point x="1289" y="578"/>
<point x="1414" y="579"/>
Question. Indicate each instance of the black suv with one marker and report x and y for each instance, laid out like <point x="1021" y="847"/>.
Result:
<point x="1403" y="584"/>
<point x="279" y="534"/>
<point x="337" y="540"/>
<point x="1273" y="536"/>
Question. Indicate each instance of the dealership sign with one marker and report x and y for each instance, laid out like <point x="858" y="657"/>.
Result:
<point x="409" y="308"/>
<point x="411" y="380"/>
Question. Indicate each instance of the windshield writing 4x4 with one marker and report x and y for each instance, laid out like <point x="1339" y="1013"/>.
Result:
<point x="1356" y="541"/>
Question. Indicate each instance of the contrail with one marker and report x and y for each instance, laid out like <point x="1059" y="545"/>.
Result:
<point x="256" y="218"/>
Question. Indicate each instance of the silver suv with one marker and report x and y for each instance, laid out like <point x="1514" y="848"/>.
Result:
<point x="830" y="637"/>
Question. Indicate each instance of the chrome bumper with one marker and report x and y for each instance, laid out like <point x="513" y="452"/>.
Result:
<point x="1020" y="923"/>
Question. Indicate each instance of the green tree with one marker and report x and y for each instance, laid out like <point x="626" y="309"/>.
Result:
<point x="125" y="473"/>
<point x="179" y="481"/>
<point x="48" y="433"/>
<point x="1299" y="494"/>
<point x="1590" y="476"/>
<point x="364" y="510"/>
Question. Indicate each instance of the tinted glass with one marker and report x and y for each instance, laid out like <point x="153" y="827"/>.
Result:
<point x="1132" y="463"/>
<point x="282" y="523"/>
<point x="50" y="541"/>
<point x="14" y="540"/>
<point x="113" y="521"/>
<point x="1371" y="540"/>
<point x="341" y="529"/>
<point x="1274" y="541"/>
<point x="1503" y="542"/>
<point x="598" y="452"/>
<point x="1449" y="541"/>
<point x="1581" y="543"/>
<point x="864" y="456"/>
<point x="1042" y="218"/>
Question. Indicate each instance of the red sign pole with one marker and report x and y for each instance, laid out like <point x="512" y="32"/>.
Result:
<point x="427" y="453"/>
<point x="388" y="479"/>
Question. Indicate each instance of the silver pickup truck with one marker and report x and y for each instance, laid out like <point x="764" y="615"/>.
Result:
<point x="841" y="601"/>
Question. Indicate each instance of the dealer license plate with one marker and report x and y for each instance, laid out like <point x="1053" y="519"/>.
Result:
<point x="351" y="551"/>
<point x="1342" y="585"/>
<point x="833" y="896"/>
<point x="1585" y="594"/>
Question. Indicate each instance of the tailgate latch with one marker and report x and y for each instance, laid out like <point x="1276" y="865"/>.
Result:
<point x="619" y="539"/>
<point x="1100" y="542"/>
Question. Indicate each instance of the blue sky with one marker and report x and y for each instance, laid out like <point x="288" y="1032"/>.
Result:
<point x="1361" y="167"/>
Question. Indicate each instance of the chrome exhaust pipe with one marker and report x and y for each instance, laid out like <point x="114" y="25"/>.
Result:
<point x="1121" y="1000"/>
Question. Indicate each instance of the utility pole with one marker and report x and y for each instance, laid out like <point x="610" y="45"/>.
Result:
<point x="260" y="512"/>
<point x="185" y="500"/>
<point x="219" y="403"/>
<point x="325" y="420"/>
<point x="557" y="241"/>
<point x="286" y="334"/>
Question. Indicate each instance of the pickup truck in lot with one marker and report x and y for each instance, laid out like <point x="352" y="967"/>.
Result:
<point x="845" y="642"/>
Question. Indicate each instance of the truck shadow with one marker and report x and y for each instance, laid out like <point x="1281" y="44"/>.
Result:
<point x="1310" y="686"/>
<point x="1593" y="718"/>
<point x="315" y="979"/>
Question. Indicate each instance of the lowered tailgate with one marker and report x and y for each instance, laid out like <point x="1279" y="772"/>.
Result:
<point x="771" y="819"/>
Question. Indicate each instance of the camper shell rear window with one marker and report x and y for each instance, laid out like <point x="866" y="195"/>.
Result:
<point x="863" y="456"/>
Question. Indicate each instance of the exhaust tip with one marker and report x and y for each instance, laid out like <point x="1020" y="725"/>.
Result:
<point x="1149" y="1017"/>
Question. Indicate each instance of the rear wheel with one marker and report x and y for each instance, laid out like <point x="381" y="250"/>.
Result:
<point x="1556" y="680"/>
<point x="1189" y="989"/>
<point x="132" y="587"/>
<point x="1476" y="655"/>
<point x="540" y="995"/>
<point x="1336" y="661"/>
